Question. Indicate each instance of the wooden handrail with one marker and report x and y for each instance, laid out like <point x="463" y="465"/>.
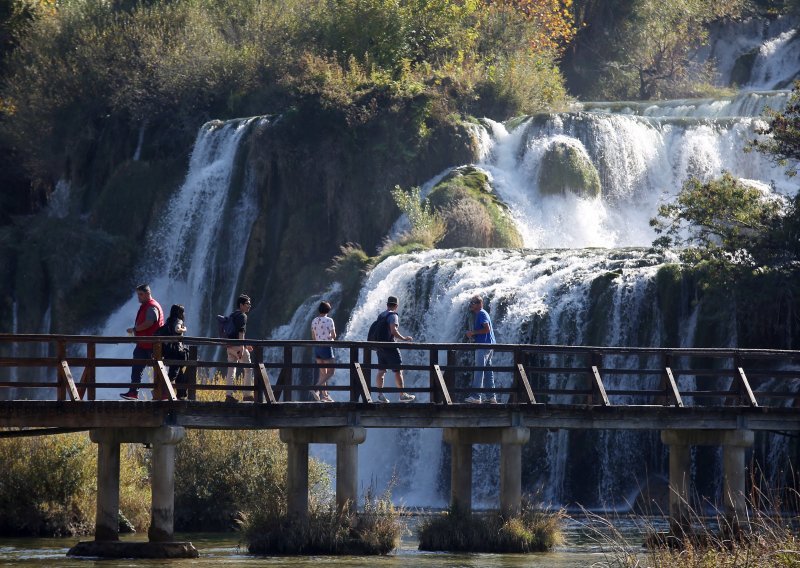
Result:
<point x="605" y="377"/>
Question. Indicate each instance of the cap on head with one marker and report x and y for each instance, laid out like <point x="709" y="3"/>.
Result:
<point x="392" y="301"/>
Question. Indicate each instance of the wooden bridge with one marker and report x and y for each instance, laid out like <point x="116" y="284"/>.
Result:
<point x="693" y="396"/>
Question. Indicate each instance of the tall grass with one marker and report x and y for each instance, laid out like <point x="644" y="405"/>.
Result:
<point x="268" y="529"/>
<point x="531" y="530"/>
<point x="48" y="485"/>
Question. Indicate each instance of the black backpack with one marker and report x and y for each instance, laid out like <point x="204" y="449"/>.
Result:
<point x="379" y="330"/>
<point x="227" y="327"/>
<point x="169" y="350"/>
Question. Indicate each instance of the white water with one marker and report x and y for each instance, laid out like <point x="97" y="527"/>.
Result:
<point x="643" y="154"/>
<point x="187" y="260"/>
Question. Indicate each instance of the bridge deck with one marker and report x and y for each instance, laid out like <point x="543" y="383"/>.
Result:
<point x="218" y="415"/>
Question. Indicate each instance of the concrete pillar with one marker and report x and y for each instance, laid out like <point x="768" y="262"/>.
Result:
<point x="679" y="463"/>
<point x="510" y="440"/>
<point x="461" y="477"/>
<point x="346" y="439"/>
<point x="347" y="476"/>
<point x="297" y="480"/>
<point x="510" y="478"/>
<point x="106" y="526"/>
<point x="734" y="475"/>
<point x="162" y="509"/>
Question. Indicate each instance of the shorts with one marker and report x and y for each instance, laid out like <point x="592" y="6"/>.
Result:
<point x="323" y="352"/>
<point x="389" y="359"/>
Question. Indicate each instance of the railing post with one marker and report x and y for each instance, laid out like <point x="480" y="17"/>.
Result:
<point x="191" y="374"/>
<point x="596" y="361"/>
<point x="519" y="359"/>
<point x="435" y="396"/>
<point x="91" y="371"/>
<point x="666" y="366"/>
<point x="285" y="377"/>
<point x="61" y="355"/>
<point x="449" y="374"/>
<point x="158" y="356"/>
<point x="256" y="357"/>
<point x="354" y="379"/>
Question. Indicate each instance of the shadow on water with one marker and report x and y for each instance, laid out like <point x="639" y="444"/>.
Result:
<point x="580" y="551"/>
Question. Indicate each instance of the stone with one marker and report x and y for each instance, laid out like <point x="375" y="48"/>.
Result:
<point x="117" y="549"/>
<point x="567" y="167"/>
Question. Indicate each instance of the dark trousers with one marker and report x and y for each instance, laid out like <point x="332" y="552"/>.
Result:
<point x="137" y="370"/>
<point x="177" y="373"/>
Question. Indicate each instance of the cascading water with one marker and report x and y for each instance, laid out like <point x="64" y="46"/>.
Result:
<point x="579" y="296"/>
<point x="194" y="258"/>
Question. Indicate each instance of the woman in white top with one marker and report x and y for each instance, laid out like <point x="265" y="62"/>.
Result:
<point x="323" y="329"/>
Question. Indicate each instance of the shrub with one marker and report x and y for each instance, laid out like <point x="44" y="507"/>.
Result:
<point x="529" y="531"/>
<point x="269" y="530"/>
<point x="48" y="485"/>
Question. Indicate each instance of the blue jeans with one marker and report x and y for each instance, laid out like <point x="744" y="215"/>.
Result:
<point x="483" y="358"/>
<point x="137" y="370"/>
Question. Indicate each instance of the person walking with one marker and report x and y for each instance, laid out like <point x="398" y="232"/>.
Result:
<point x="239" y="353"/>
<point x="390" y="358"/>
<point x="176" y="326"/>
<point x="323" y="329"/>
<point x="149" y="318"/>
<point x="482" y="333"/>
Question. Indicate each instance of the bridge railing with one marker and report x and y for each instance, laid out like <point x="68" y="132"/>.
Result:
<point x="65" y="367"/>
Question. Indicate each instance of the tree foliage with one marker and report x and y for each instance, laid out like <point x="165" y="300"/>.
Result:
<point x="780" y="138"/>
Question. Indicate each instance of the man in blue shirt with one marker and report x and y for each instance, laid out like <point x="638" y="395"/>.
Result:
<point x="482" y="332"/>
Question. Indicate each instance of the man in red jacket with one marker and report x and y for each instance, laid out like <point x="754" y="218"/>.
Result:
<point x="148" y="319"/>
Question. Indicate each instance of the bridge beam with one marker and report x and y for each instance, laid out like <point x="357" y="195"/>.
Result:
<point x="511" y="441"/>
<point x="734" y="444"/>
<point x="347" y="440"/>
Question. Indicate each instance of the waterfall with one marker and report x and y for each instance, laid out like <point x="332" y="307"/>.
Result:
<point x="58" y="203"/>
<point x="560" y="291"/>
<point x="194" y="257"/>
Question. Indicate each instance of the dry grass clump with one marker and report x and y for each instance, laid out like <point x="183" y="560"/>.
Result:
<point x="531" y="530"/>
<point x="268" y="529"/>
<point x="48" y="485"/>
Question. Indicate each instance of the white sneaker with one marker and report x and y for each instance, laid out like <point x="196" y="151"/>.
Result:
<point x="315" y="395"/>
<point x="472" y="400"/>
<point x="382" y="398"/>
<point x="492" y="400"/>
<point x="405" y="397"/>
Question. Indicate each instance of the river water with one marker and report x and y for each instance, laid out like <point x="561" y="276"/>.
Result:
<point x="581" y="550"/>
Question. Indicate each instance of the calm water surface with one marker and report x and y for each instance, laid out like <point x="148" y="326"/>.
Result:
<point x="580" y="551"/>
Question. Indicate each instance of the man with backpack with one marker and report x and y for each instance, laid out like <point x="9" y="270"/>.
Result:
<point x="385" y="328"/>
<point x="234" y="328"/>
<point x="149" y="319"/>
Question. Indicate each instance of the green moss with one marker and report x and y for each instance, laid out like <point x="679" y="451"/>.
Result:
<point x="601" y="303"/>
<point x="567" y="168"/>
<point x="669" y="284"/>
<point x="474" y="215"/>
<point x="743" y="67"/>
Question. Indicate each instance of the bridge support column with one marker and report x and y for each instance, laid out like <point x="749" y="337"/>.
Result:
<point x="106" y="526"/>
<point x="346" y="439"/>
<point x="161" y="533"/>
<point x="510" y="440"/>
<point x="734" y="443"/>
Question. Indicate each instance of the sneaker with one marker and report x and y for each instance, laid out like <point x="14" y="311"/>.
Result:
<point x="382" y="398"/>
<point x="249" y="398"/>
<point x="327" y="398"/>
<point x="492" y="400"/>
<point x="315" y="395"/>
<point x="229" y="398"/>
<point x="473" y="400"/>
<point x="405" y="397"/>
<point x="130" y="395"/>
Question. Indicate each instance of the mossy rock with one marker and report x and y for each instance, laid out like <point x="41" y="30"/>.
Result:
<point x="566" y="167"/>
<point x="743" y="68"/>
<point x="474" y="215"/>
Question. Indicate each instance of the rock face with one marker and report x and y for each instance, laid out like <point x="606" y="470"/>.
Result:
<point x="567" y="167"/>
<point x="474" y="215"/>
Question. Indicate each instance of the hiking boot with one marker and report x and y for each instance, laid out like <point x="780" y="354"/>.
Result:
<point x="315" y="395"/>
<point x="492" y="400"/>
<point x="229" y="398"/>
<point x="473" y="400"/>
<point x="382" y="398"/>
<point x="249" y="398"/>
<point x="405" y="397"/>
<point x="130" y="395"/>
